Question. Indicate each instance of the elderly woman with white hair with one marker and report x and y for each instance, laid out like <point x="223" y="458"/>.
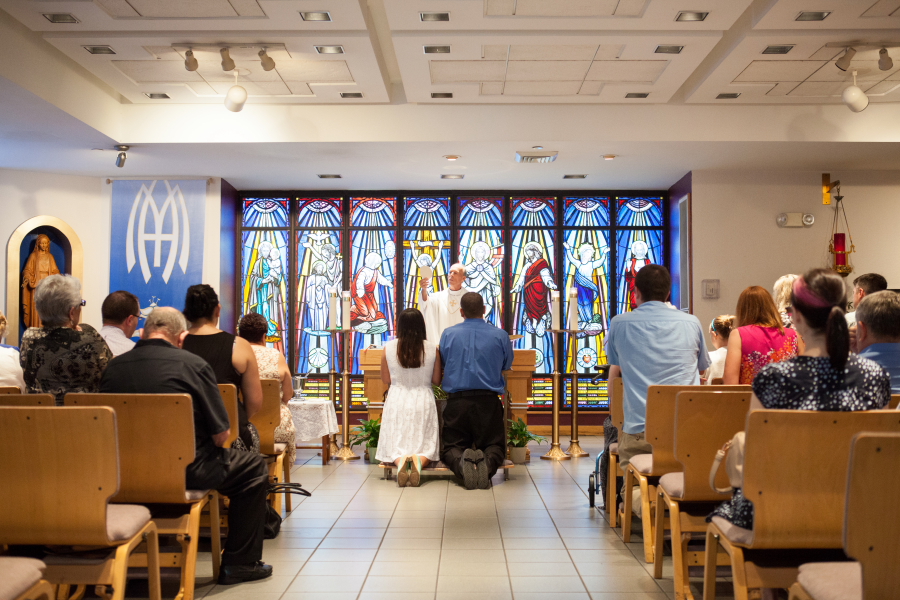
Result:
<point x="10" y="370"/>
<point x="62" y="356"/>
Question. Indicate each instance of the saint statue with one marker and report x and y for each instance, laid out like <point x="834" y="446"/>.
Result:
<point x="441" y="309"/>
<point x="39" y="266"/>
<point x="535" y="282"/>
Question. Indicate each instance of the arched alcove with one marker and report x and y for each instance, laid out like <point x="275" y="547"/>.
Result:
<point x="66" y="249"/>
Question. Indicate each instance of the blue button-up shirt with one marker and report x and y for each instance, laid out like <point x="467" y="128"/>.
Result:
<point x="654" y="345"/>
<point x="475" y="354"/>
<point x="888" y="356"/>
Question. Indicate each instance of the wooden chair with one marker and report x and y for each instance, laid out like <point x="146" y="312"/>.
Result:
<point x="156" y="444"/>
<point x="871" y="529"/>
<point x="60" y="467"/>
<point x="795" y="472"/>
<point x="18" y="399"/>
<point x="895" y="401"/>
<point x="9" y="389"/>
<point x="22" y="579"/>
<point x="659" y="432"/>
<point x="229" y="397"/>
<point x="617" y="416"/>
<point x="266" y="420"/>
<point x="704" y="421"/>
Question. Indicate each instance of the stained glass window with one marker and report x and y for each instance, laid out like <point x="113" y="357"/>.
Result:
<point x="266" y="212"/>
<point x="425" y="246"/>
<point x="265" y="268"/>
<point x="640" y="211"/>
<point x="481" y="250"/>
<point x="635" y="249"/>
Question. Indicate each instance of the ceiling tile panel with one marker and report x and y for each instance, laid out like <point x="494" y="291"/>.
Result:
<point x="782" y="89"/>
<point x="181" y="9"/>
<point x="590" y="88"/>
<point x="299" y="88"/>
<point x="118" y="9"/>
<point x="825" y="53"/>
<point x="213" y="72"/>
<point x="541" y="88"/>
<point x="541" y="52"/>
<point x="885" y="87"/>
<point x="499" y="8"/>
<point x="473" y="71"/>
<point x="156" y="71"/>
<point x="547" y="70"/>
<point x="255" y="89"/>
<point x="779" y="70"/>
<point x="201" y="88"/>
<point x="882" y="8"/>
<point x="626" y="71"/>
<point x="491" y="89"/>
<point x="818" y="89"/>
<point x="494" y="52"/>
<point x="630" y="8"/>
<point x="247" y="8"/>
<point x="565" y="8"/>
<point x="314" y="71"/>
<point x="865" y="71"/>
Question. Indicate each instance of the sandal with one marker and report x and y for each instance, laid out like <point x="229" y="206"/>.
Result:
<point x="415" y="472"/>
<point x="403" y="472"/>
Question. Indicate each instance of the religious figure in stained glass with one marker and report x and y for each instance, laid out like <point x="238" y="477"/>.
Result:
<point x="587" y="262"/>
<point x="423" y="259"/>
<point x="316" y="296"/>
<point x="319" y="243"/>
<point x="481" y="274"/>
<point x="365" y="315"/>
<point x="535" y="282"/>
<point x="638" y="260"/>
<point x="265" y="289"/>
<point x="637" y="248"/>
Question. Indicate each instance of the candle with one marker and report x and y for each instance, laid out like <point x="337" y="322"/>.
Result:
<point x="840" y="246"/>
<point x="345" y="310"/>
<point x="332" y="310"/>
<point x="554" y="310"/>
<point x="573" y="309"/>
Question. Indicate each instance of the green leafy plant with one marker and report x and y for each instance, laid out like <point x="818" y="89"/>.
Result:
<point x="518" y="435"/>
<point x="439" y="392"/>
<point x="367" y="433"/>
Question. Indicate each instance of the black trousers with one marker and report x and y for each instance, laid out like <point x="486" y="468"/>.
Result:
<point x="244" y="479"/>
<point x="474" y="421"/>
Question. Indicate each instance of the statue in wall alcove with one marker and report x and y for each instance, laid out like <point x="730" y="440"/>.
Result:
<point x="39" y="266"/>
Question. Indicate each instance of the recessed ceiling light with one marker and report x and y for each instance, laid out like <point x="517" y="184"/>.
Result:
<point x="669" y="49"/>
<point x="328" y="176"/>
<point x="813" y="15"/>
<point x="99" y="49"/>
<point x="434" y="16"/>
<point x="609" y="156"/>
<point x="637" y="94"/>
<point x="60" y="18"/>
<point x="437" y="49"/>
<point x="728" y="96"/>
<point x="315" y="16"/>
<point x="452" y="156"/>
<point x="153" y="96"/>
<point x="452" y="176"/>
<point x="689" y="15"/>
<point x="537" y="147"/>
<point x="574" y="176"/>
<point x="778" y="49"/>
<point x="441" y="94"/>
<point x="330" y="49"/>
<point x="351" y="95"/>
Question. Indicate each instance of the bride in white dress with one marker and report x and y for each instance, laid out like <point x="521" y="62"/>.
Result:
<point x="409" y="423"/>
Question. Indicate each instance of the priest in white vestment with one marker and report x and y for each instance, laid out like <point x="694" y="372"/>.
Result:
<point x="441" y="309"/>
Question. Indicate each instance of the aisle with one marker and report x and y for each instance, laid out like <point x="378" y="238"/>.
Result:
<point x="530" y="538"/>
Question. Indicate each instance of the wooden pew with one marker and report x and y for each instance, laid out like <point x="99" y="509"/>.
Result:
<point x="704" y="421"/>
<point x="266" y="420"/>
<point x="617" y="416"/>
<point x="795" y="472"/>
<point x="9" y="389"/>
<point x="229" y="397"/>
<point x="60" y="467"/>
<point x="27" y="400"/>
<point x="895" y="401"/>
<point x="156" y="444"/>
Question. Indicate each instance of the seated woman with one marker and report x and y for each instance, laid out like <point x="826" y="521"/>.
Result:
<point x="781" y="294"/>
<point x="62" y="356"/>
<point x="759" y="339"/>
<point x="231" y="358"/>
<point x="409" y="424"/>
<point x="10" y="369"/>
<point x="719" y="330"/>
<point x="824" y="377"/>
<point x="272" y="365"/>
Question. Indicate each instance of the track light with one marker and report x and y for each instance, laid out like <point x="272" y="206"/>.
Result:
<point x="120" y="159"/>
<point x="236" y="96"/>
<point x="227" y="63"/>
<point x="268" y="63"/>
<point x="884" y="60"/>
<point x="843" y="63"/>
<point x="190" y="63"/>
<point x="855" y="99"/>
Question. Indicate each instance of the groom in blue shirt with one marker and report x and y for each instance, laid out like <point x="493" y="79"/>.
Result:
<point x="475" y="354"/>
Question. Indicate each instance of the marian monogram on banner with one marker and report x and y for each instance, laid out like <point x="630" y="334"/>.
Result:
<point x="179" y="236"/>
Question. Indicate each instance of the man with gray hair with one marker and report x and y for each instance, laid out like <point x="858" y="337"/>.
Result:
<point x="878" y="332"/>
<point x="158" y="365"/>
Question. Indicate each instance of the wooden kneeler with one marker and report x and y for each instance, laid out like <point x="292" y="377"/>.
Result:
<point x="795" y="472"/>
<point x="156" y="444"/>
<point x="266" y="420"/>
<point x="614" y="471"/>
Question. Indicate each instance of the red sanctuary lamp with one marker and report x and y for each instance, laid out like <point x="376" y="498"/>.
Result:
<point x="838" y="243"/>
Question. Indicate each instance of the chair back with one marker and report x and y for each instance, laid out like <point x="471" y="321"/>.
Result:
<point x="616" y="402"/>
<point x="895" y="401"/>
<point x="156" y="444"/>
<point x="269" y="416"/>
<point x="59" y="467"/>
<point x="704" y="421"/>
<point x="9" y="389"/>
<point x="229" y="397"/>
<point x="18" y="399"/>
<point x="659" y="426"/>
<point x="871" y="528"/>
<point x="795" y="473"/>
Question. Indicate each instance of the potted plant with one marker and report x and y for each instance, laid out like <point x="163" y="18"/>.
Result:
<point x="518" y="437"/>
<point x="367" y="433"/>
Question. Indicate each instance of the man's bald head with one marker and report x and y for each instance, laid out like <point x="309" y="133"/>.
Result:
<point x="457" y="276"/>
<point x="165" y="323"/>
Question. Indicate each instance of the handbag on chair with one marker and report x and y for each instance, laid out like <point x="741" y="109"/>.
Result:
<point x="733" y="453"/>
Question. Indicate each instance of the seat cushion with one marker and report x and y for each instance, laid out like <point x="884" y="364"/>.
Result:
<point x="673" y="483"/>
<point x="17" y="575"/>
<point x="832" y="581"/>
<point x="280" y="447"/>
<point x="735" y="534"/>
<point x="614" y="448"/>
<point x="194" y="495"/>
<point x="642" y="463"/>
<point x="125" y="520"/>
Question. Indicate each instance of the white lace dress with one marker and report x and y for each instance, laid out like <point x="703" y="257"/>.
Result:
<point x="409" y="423"/>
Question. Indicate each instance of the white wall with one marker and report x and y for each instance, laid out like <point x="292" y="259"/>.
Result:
<point x="736" y="239"/>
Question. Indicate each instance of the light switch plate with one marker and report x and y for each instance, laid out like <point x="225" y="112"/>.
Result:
<point x="710" y="288"/>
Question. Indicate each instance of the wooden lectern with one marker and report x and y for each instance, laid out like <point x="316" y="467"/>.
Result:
<point x="370" y="364"/>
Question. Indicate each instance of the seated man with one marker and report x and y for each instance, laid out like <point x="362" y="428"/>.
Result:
<point x="865" y="284"/>
<point x="121" y="312"/>
<point x="475" y="354"/>
<point x="878" y="332"/>
<point x="157" y="365"/>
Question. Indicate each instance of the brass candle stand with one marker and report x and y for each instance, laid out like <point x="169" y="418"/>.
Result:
<point x="555" y="452"/>
<point x="575" y="450"/>
<point x="345" y="452"/>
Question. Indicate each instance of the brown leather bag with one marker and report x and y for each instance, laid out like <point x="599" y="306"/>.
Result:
<point x="733" y="453"/>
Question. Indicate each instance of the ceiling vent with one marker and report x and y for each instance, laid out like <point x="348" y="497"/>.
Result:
<point x="433" y="17"/>
<point x="99" y="49"/>
<point x="813" y="15"/>
<point x="351" y="95"/>
<point x="452" y="176"/>
<point x="689" y="15"/>
<point x="778" y="49"/>
<point x="330" y="49"/>
<point x="156" y="96"/>
<point x="536" y="156"/>
<point x="437" y="49"/>
<point x="315" y="16"/>
<point x="328" y="176"/>
<point x="669" y="49"/>
<point x="60" y="18"/>
<point x="439" y="95"/>
<point x="574" y="176"/>
<point x="637" y="94"/>
<point x="728" y="96"/>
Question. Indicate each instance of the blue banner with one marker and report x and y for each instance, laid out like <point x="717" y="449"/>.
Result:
<point x="156" y="250"/>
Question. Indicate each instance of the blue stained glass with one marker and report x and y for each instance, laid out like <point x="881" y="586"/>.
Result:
<point x="645" y="211"/>
<point x="373" y="212"/>
<point x="533" y="212"/>
<point x="478" y="211"/>
<point x="427" y="212"/>
<point x="373" y="269"/>
<point x="319" y="272"/>
<point x="533" y="263"/>
<point x="424" y="248"/>
<point x="587" y="273"/>
<point x="319" y="213"/>
<point x="587" y="212"/>
<point x="635" y="249"/>
<point x="264" y="268"/>
<point x="266" y="212"/>
<point x="482" y="251"/>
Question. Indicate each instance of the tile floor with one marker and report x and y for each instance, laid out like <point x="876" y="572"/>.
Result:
<point x="533" y="537"/>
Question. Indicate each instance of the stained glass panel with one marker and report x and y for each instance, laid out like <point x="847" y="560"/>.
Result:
<point x="635" y="249"/>
<point x="639" y="211"/>
<point x="424" y="248"/>
<point x="373" y="212"/>
<point x="264" y="268"/>
<point x="478" y="211"/>
<point x="591" y="211"/>
<point x="482" y="251"/>
<point x="319" y="272"/>
<point x="266" y="212"/>
<point x="430" y="213"/>
<point x="534" y="269"/>
<point x="533" y="212"/>
<point x="587" y="272"/>
<point x="319" y="213"/>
